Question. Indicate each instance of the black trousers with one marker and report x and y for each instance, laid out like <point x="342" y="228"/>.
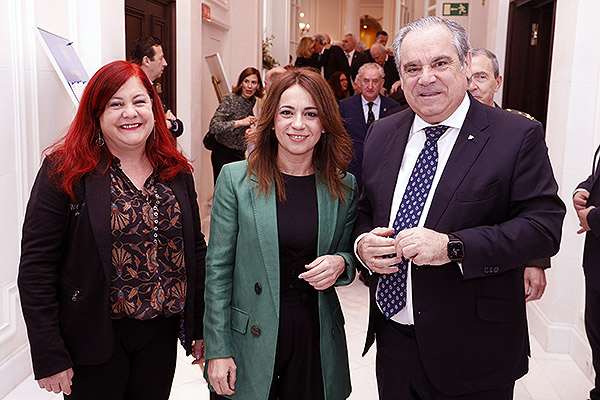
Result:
<point x="222" y="155"/>
<point x="592" y="329"/>
<point x="141" y="368"/>
<point x="297" y="374"/>
<point x="400" y="372"/>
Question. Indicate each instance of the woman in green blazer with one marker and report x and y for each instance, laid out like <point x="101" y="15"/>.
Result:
<point x="279" y="243"/>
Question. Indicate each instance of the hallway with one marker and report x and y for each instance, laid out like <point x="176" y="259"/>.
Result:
<point x="551" y="376"/>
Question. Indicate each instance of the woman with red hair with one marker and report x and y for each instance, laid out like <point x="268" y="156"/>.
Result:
<point x="112" y="260"/>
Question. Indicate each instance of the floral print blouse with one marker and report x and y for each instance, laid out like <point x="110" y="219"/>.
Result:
<point x="148" y="277"/>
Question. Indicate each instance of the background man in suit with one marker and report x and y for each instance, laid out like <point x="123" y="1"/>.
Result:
<point x="469" y="194"/>
<point x="322" y="44"/>
<point x="485" y="82"/>
<point x="345" y="59"/>
<point x="361" y="110"/>
<point x="586" y="200"/>
<point x="147" y="52"/>
<point x="381" y="38"/>
<point x="388" y="62"/>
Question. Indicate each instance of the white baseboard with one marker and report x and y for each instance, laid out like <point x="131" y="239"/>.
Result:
<point x="14" y="369"/>
<point x="560" y="338"/>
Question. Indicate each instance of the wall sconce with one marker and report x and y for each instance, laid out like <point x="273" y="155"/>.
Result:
<point x="304" y="28"/>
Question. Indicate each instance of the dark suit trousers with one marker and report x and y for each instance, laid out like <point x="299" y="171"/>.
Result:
<point x="592" y="329"/>
<point x="141" y="368"/>
<point x="400" y="373"/>
<point x="222" y="155"/>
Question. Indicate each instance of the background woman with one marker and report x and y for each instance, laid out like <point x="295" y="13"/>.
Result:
<point x="339" y="83"/>
<point x="304" y="54"/>
<point x="231" y="119"/>
<point x="279" y="242"/>
<point x="112" y="262"/>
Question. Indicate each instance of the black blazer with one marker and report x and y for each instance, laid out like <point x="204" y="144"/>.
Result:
<point x="353" y="117"/>
<point x="591" y="251"/>
<point x="498" y="194"/>
<point x="65" y="271"/>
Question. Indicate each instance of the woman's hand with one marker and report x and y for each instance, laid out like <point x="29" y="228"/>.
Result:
<point x="249" y="120"/>
<point x="221" y="374"/>
<point x="324" y="271"/>
<point x="57" y="383"/>
<point x="198" y="351"/>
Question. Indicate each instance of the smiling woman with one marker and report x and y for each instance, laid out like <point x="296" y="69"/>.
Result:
<point x="106" y="282"/>
<point x="233" y="118"/>
<point x="282" y="221"/>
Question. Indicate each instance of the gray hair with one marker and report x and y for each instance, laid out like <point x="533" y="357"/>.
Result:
<point x="361" y="46"/>
<point x="321" y="39"/>
<point x="377" y="48"/>
<point x="461" y="39"/>
<point x="364" y="67"/>
<point x="491" y="56"/>
<point x="352" y="37"/>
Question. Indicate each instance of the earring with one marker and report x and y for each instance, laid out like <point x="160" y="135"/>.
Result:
<point x="154" y="133"/>
<point x="99" y="140"/>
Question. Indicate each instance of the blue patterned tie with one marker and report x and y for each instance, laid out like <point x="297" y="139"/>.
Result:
<point x="391" y="288"/>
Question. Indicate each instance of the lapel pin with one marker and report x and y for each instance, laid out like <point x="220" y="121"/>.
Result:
<point x="471" y="137"/>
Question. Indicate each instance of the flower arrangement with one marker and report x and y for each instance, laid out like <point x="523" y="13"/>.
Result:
<point x="268" y="60"/>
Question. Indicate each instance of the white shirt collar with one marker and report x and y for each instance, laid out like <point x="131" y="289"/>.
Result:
<point x="376" y="102"/>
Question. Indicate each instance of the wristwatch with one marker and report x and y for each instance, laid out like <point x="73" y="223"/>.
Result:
<point x="456" y="248"/>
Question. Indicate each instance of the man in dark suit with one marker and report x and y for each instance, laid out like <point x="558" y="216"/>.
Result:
<point x="388" y="62"/>
<point x="485" y="82"/>
<point x="361" y="110"/>
<point x="147" y="52"/>
<point x="586" y="201"/>
<point x="345" y="59"/>
<point x="457" y="197"/>
<point x="381" y="38"/>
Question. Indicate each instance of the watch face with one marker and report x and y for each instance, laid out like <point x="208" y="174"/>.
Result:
<point x="455" y="250"/>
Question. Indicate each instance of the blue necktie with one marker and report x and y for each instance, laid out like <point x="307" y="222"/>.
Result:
<point x="391" y="288"/>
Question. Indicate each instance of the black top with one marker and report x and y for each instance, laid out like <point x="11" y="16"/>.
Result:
<point x="297" y="225"/>
<point x="307" y="62"/>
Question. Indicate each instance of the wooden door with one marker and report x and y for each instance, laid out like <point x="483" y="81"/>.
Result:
<point x="529" y="56"/>
<point x="155" y="18"/>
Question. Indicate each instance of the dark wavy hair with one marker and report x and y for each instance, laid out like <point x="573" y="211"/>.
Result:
<point x="237" y="89"/>
<point x="332" y="152"/>
<point x="336" y="86"/>
<point x="77" y="153"/>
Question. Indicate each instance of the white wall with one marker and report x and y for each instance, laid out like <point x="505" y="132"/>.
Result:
<point x="36" y="109"/>
<point x="573" y="133"/>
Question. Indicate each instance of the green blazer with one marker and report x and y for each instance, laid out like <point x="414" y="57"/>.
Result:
<point x="242" y="282"/>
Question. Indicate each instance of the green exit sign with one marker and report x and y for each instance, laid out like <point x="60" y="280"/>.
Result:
<point x="459" y="9"/>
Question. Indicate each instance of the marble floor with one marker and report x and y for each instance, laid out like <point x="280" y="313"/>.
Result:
<point x="550" y="377"/>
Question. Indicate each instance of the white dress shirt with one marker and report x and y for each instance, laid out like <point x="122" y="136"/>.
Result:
<point x="365" y="106"/>
<point x="416" y="141"/>
<point x="349" y="58"/>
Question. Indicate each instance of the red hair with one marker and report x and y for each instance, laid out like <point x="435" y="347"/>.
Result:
<point x="77" y="153"/>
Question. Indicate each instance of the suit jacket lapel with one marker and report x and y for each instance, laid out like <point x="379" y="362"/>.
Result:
<point x="265" y="217"/>
<point x="471" y="140"/>
<point x="328" y="210"/>
<point x="97" y="188"/>
<point x="358" y="110"/>
<point x="383" y="107"/>
<point x="392" y="160"/>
